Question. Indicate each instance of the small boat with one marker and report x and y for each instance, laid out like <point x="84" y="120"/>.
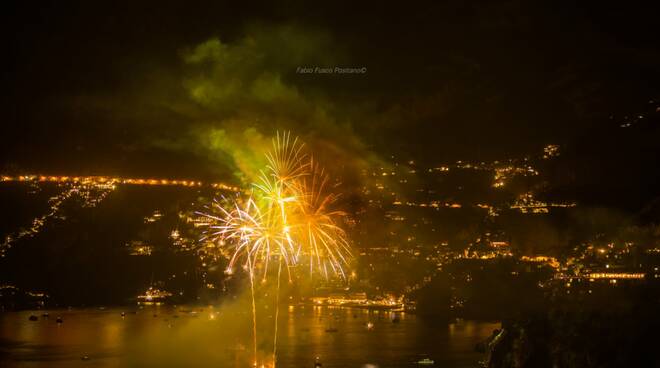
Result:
<point x="317" y="363"/>
<point x="59" y="320"/>
<point x="153" y="296"/>
<point x="331" y="327"/>
<point x="425" y="361"/>
<point x="33" y="318"/>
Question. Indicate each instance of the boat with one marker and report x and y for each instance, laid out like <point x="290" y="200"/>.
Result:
<point x="153" y="296"/>
<point x="331" y="327"/>
<point x="425" y="361"/>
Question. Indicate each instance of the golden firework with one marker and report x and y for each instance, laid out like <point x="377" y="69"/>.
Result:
<point x="289" y="217"/>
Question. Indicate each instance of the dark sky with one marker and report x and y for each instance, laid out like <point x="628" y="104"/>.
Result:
<point x="162" y="89"/>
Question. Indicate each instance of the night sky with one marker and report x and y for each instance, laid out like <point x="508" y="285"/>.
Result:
<point x="189" y="89"/>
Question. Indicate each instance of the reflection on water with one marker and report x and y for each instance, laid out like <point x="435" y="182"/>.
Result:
<point x="220" y="337"/>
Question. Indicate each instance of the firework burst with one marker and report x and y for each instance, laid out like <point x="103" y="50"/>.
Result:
<point x="322" y="241"/>
<point x="289" y="217"/>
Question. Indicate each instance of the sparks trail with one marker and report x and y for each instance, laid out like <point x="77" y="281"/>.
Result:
<point x="277" y="310"/>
